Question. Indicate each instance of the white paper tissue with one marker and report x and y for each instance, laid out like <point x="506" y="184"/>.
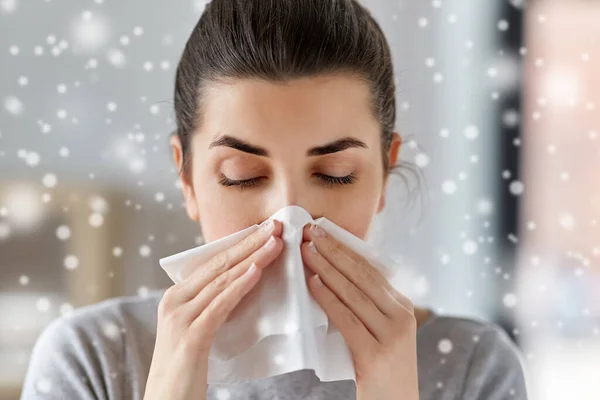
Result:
<point x="278" y="327"/>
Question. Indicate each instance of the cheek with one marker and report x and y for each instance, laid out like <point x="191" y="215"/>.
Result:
<point x="355" y="220"/>
<point x="220" y="216"/>
<point x="221" y="213"/>
<point x="354" y="211"/>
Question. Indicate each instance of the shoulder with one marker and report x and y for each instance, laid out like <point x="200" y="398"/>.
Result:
<point x="485" y="361"/>
<point x="81" y="351"/>
<point x="109" y="319"/>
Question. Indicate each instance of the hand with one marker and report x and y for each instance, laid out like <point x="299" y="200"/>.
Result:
<point x="190" y="313"/>
<point x="376" y="321"/>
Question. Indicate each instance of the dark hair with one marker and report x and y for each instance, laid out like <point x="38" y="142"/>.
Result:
<point x="280" y="40"/>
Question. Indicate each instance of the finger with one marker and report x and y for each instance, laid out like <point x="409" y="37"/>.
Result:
<point x="207" y="323"/>
<point x="263" y="257"/>
<point x="356" y="269"/>
<point x="226" y="260"/>
<point x="352" y="296"/>
<point x="356" y="335"/>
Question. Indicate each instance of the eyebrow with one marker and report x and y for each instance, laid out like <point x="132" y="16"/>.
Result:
<point x="329" y="148"/>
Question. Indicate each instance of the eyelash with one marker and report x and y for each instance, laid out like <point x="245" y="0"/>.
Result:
<point x="328" y="181"/>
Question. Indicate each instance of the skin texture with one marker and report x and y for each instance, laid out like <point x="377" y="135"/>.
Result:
<point x="285" y="121"/>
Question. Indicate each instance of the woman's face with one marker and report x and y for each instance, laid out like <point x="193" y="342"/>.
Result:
<point x="310" y="142"/>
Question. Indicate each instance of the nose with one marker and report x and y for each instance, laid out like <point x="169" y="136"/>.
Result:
<point x="287" y="192"/>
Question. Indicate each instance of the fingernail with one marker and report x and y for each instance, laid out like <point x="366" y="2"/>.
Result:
<point x="317" y="231"/>
<point x="251" y="269"/>
<point x="268" y="225"/>
<point x="312" y="247"/>
<point x="317" y="281"/>
<point x="270" y="243"/>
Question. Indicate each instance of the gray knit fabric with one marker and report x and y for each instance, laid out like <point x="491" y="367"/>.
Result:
<point x="104" y="351"/>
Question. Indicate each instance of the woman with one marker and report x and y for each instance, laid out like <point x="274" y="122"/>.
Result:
<point x="278" y="103"/>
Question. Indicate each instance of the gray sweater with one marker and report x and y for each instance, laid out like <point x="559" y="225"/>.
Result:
<point x="104" y="351"/>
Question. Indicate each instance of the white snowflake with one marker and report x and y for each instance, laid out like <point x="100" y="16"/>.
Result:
<point x="63" y="232"/>
<point x="116" y="57"/>
<point x="61" y="114"/>
<point x="13" y="105"/>
<point x="90" y="32"/>
<point x="71" y="262"/>
<point x="567" y="221"/>
<point x="449" y="187"/>
<point x="91" y="64"/>
<point x="422" y="160"/>
<point x="148" y="66"/>
<point x="43" y="304"/>
<point x="471" y="132"/>
<point x="96" y="220"/>
<point x="516" y="188"/>
<point x="32" y="159"/>
<point x="111" y="106"/>
<point x="470" y="247"/>
<point x="510" y="118"/>
<point x="518" y="3"/>
<point x="24" y="280"/>
<point x="445" y="346"/>
<point x="8" y="6"/>
<point x="49" y="180"/>
<point x="137" y="165"/>
<point x="485" y="206"/>
<point x="144" y="250"/>
<point x="509" y="300"/>
<point x="111" y="330"/>
<point x="154" y="109"/>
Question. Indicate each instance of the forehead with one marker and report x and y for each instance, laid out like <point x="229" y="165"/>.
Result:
<point x="322" y="103"/>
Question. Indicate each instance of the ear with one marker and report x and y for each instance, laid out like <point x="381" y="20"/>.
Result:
<point x="186" y="186"/>
<point x="393" y="158"/>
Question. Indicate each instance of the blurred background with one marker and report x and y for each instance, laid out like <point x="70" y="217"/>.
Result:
<point x="499" y="105"/>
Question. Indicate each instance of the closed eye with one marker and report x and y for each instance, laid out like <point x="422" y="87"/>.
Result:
<point x="241" y="184"/>
<point x="336" y="180"/>
<point x="327" y="180"/>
